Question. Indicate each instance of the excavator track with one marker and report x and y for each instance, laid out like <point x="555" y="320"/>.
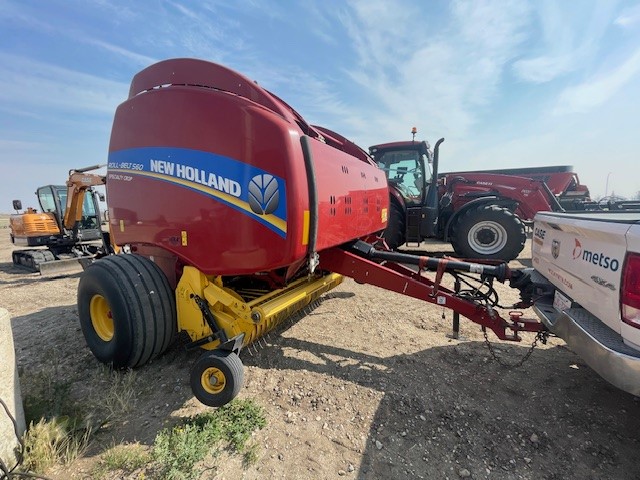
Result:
<point x="45" y="262"/>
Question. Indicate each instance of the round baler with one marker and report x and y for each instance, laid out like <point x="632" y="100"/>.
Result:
<point x="220" y="197"/>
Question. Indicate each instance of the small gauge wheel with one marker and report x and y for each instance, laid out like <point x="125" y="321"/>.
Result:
<point x="216" y="377"/>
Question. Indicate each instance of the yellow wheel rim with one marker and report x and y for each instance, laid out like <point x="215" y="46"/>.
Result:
<point x="213" y="380"/>
<point x="101" y="317"/>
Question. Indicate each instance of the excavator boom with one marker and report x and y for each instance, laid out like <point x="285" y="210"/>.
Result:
<point x="77" y="185"/>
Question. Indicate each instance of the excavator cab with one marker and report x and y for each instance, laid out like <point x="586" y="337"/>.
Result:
<point x="53" y="200"/>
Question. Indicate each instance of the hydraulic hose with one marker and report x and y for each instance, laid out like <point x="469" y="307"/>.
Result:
<point x="500" y="272"/>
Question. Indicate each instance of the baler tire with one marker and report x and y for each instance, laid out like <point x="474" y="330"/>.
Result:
<point x="394" y="234"/>
<point x="127" y="310"/>
<point x="227" y="370"/>
<point x="507" y="232"/>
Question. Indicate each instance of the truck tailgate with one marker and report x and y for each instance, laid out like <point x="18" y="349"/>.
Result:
<point x="583" y="255"/>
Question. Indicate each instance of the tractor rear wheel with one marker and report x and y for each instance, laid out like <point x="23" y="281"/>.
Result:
<point x="127" y="310"/>
<point x="394" y="234"/>
<point x="216" y="377"/>
<point x="489" y="232"/>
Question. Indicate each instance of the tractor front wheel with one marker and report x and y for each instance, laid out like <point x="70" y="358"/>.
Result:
<point x="394" y="234"/>
<point x="216" y="377"/>
<point x="489" y="232"/>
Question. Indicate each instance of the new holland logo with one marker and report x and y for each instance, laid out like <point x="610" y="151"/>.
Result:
<point x="555" y="248"/>
<point x="264" y="194"/>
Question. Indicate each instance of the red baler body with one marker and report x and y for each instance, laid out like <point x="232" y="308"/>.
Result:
<point x="206" y="169"/>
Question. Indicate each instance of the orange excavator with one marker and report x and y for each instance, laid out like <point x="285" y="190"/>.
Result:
<point x="68" y="225"/>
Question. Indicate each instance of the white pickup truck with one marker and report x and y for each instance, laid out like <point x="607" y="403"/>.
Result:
<point x="590" y="262"/>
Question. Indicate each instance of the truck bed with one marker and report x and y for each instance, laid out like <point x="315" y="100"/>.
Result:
<point x="580" y="260"/>
<point x="610" y="216"/>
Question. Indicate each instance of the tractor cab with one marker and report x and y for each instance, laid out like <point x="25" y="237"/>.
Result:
<point x="410" y="168"/>
<point x="407" y="169"/>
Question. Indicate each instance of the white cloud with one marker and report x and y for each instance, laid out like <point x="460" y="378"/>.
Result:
<point x="570" y="38"/>
<point x="118" y="12"/>
<point x="202" y="30"/>
<point x="184" y="10"/>
<point x="137" y="58"/>
<point x="596" y="91"/>
<point x="381" y="31"/>
<point x="32" y="157"/>
<point x="320" y="22"/>
<point x="491" y="25"/>
<point x="12" y="146"/>
<point x="435" y="77"/>
<point x="28" y="18"/>
<point x="556" y="43"/>
<point x="629" y="17"/>
<point x="36" y="86"/>
<point x="546" y="68"/>
<point x="593" y="148"/>
<point x="19" y="14"/>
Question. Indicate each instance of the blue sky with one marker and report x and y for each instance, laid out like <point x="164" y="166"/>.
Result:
<point x="508" y="83"/>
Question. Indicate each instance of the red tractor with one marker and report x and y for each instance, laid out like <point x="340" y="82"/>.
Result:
<point x="483" y="214"/>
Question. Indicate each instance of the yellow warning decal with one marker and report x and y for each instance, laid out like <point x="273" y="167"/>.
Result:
<point x="184" y="238"/>
<point x="305" y="227"/>
<point x="383" y="215"/>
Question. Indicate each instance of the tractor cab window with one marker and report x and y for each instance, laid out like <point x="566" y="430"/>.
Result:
<point x="427" y="161"/>
<point x="405" y="170"/>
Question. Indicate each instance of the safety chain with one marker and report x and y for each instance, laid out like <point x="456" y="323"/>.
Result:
<point x="541" y="336"/>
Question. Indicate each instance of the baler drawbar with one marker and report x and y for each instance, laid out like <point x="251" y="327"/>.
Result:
<point x="230" y="213"/>
<point x="386" y="269"/>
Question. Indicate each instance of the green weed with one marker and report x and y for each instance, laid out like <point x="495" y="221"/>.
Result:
<point x="53" y="441"/>
<point x="125" y="458"/>
<point x="116" y="393"/>
<point x="178" y="450"/>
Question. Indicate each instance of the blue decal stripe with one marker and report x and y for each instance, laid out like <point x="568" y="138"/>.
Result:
<point x="274" y="223"/>
<point x="222" y="173"/>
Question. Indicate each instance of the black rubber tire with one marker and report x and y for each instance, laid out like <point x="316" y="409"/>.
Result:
<point x="141" y="306"/>
<point x="394" y="234"/>
<point x="227" y="367"/>
<point x="489" y="232"/>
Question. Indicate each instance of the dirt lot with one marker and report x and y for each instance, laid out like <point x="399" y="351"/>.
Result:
<point x="367" y="386"/>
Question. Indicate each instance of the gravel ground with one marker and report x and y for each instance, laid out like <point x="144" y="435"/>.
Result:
<point x="367" y="386"/>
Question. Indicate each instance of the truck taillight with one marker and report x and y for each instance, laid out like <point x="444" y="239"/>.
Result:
<point x="630" y="290"/>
